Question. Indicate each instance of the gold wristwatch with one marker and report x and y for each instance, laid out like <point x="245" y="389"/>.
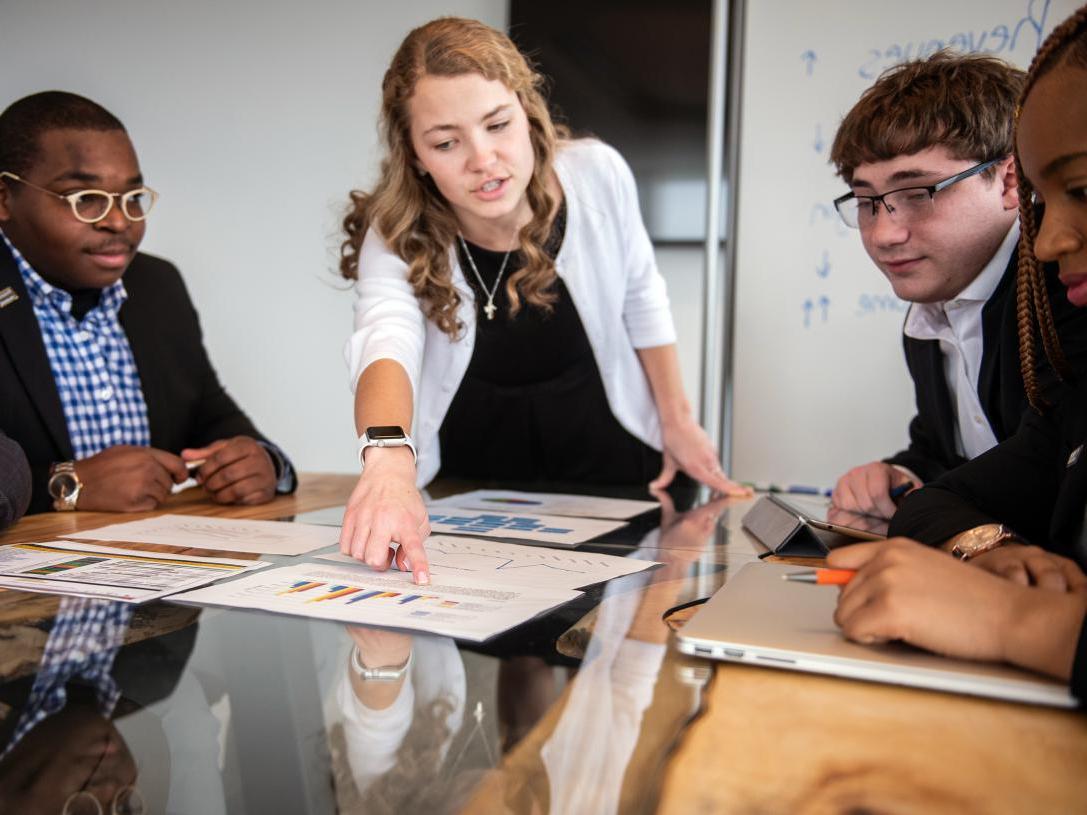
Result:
<point x="64" y="486"/>
<point x="973" y="542"/>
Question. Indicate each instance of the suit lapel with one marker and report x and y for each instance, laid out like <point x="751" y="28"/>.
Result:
<point x="21" y="337"/>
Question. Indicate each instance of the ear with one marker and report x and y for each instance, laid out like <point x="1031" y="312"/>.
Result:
<point x="1009" y="183"/>
<point x="5" y="199"/>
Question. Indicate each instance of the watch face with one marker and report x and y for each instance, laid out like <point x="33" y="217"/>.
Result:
<point x="385" y="432"/>
<point x="62" y="485"/>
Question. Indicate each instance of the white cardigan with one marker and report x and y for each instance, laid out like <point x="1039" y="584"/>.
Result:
<point x="607" y="263"/>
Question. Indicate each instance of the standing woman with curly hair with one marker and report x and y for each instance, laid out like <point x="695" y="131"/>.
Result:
<point x="509" y="312"/>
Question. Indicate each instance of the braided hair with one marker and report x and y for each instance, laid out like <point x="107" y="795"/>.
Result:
<point x="1067" y="42"/>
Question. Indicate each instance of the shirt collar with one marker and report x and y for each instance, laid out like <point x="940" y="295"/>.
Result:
<point x="926" y="321"/>
<point x="43" y="292"/>
<point x="981" y="288"/>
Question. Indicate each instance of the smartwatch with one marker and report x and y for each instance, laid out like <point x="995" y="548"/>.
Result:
<point x="386" y="673"/>
<point x="973" y="542"/>
<point x="64" y="486"/>
<point x="385" y="436"/>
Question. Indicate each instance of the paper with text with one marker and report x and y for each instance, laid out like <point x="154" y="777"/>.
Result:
<point x="226" y="534"/>
<point x="83" y="570"/>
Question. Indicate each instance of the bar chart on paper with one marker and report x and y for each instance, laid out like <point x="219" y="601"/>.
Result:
<point x="549" y="529"/>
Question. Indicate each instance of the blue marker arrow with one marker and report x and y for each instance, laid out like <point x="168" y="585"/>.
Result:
<point x="824" y="304"/>
<point x="809" y="61"/>
<point x="807" y="313"/>
<point x="823" y="269"/>
<point x="818" y="144"/>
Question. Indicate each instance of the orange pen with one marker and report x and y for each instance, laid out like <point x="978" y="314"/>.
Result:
<point x="822" y="577"/>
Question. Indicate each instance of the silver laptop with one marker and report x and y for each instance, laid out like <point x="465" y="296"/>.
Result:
<point x="758" y="618"/>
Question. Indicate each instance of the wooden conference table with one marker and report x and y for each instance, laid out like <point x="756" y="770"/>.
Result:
<point x="586" y="710"/>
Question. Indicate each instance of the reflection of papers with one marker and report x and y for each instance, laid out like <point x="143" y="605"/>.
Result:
<point x="548" y="503"/>
<point x="549" y="529"/>
<point x="83" y="570"/>
<point x="464" y="607"/>
<point x="513" y="564"/>
<point x="228" y="534"/>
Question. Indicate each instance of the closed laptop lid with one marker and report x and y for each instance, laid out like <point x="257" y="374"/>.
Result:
<point x="761" y="619"/>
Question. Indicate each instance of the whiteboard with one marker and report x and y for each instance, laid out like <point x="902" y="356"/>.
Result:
<point x="819" y="380"/>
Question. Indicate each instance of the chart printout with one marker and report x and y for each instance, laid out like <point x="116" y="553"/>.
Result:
<point x="549" y="529"/>
<point x="463" y="607"/>
<point x="516" y="564"/>
<point x="547" y="503"/>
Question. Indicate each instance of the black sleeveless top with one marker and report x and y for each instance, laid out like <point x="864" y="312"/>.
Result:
<point x="532" y="406"/>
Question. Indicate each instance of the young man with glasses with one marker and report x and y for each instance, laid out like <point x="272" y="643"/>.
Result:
<point x="927" y="156"/>
<point x="105" y="384"/>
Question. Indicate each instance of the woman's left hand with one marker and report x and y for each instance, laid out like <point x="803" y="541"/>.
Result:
<point x="688" y="448"/>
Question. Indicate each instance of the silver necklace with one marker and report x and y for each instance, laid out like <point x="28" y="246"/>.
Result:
<point x="488" y="309"/>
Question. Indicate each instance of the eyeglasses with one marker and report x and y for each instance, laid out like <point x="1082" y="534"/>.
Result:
<point x="907" y="205"/>
<point x="127" y="801"/>
<point x="91" y="206"/>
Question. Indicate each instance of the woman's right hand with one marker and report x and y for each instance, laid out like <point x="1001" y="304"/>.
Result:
<point x="386" y="509"/>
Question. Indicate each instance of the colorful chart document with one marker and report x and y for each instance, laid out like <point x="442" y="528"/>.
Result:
<point x="468" y="608"/>
<point x="227" y="534"/>
<point x="511" y="564"/>
<point x="83" y="570"/>
<point x="549" y="529"/>
<point x="548" y="503"/>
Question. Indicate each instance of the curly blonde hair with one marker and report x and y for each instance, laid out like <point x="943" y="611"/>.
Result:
<point x="408" y="211"/>
<point x="1067" y="44"/>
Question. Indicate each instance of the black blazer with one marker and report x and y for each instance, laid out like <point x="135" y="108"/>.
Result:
<point x="186" y="404"/>
<point x="1035" y="482"/>
<point x="931" y="451"/>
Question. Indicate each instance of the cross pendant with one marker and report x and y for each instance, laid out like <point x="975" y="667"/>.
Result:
<point x="489" y="310"/>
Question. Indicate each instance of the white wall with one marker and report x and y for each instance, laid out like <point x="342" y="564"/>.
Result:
<point x="253" y="120"/>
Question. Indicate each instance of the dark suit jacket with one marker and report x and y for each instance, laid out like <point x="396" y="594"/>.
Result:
<point x="931" y="451"/>
<point x="1035" y="482"/>
<point x="186" y="404"/>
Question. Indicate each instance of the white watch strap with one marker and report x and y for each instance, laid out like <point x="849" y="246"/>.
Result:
<point x="365" y="441"/>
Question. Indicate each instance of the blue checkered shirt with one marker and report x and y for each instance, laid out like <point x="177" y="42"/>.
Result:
<point x="92" y="365"/>
<point x="86" y="636"/>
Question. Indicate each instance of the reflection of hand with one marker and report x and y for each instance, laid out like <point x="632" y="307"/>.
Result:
<point x="906" y="591"/>
<point x="685" y="535"/>
<point x="867" y="489"/>
<point x="126" y="478"/>
<point x="379" y="648"/>
<point x="386" y="508"/>
<point x="688" y="448"/>
<point x="235" y="471"/>
<point x="854" y="520"/>
<point x="1030" y="565"/>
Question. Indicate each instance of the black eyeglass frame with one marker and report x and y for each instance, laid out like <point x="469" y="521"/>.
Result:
<point x="931" y="189"/>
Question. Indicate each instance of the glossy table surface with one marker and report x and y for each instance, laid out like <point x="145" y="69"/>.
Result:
<point x="588" y="709"/>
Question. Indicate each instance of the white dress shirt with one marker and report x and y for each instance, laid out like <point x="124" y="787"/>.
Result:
<point x="956" y="325"/>
<point x="607" y="263"/>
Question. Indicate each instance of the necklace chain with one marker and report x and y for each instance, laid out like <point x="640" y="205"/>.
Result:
<point x="488" y="309"/>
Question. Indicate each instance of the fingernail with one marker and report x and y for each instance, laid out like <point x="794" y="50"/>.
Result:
<point x="422" y="579"/>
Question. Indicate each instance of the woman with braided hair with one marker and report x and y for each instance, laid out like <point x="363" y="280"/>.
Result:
<point x="1017" y="512"/>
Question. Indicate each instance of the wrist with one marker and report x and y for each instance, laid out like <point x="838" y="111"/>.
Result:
<point x="675" y="414"/>
<point x="389" y="460"/>
<point x="1039" y="629"/>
